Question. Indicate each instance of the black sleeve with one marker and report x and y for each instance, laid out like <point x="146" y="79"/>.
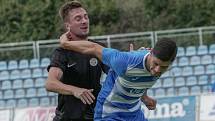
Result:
<point x="58" y="59"/>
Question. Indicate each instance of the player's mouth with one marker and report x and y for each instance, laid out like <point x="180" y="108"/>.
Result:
<point x="84" y="28"/>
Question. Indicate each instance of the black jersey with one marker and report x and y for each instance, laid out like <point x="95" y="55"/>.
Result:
<point x="78" y="70"/>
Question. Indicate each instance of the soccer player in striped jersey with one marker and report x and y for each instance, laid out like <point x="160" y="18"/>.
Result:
<point x="129" y="77"/>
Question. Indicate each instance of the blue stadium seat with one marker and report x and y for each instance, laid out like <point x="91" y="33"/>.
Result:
<point x="26" y="73"/>
<point x="41" y="92"/>
<point x="3" y="65"/>
<point x="10" y="103"/>
<point x="160" y="92"/>
<point x="195" y="60"/>
<point x="213" y="59"/>
<point x="33" y="102"/>
<point x="175" y="63"/>
<point x="212" y="49"/>
<point x="203" y="80"/>
<point x="8" y="94"/>
<point x="206" y="88"/>
<point x="183" y="61"/>
<point x="45" y="72"/>
<point x="180" y="52"/>
<point x="6" y="85"/>
<point x="166" y="74"/>
<point x="53" y="101"/>
<point x="190" y="51"/>
<point x="206" y="59"/>
<point x="176" y="71"/>
<point x="4" y="75"/>
<point x="31" y="92"/>
<point x="39" y="82"/>
<point x="210" y="69"/>
<point x="37" y="72"/>
<point x="22" y="103"/>
<point x="191" y="80"/>
<point x="44" y="101"/>
<point x="20" y="93"/>
<point x="23" y="64"/>
<point x="12" y="64"/>
<point x="168" y="82"/>
<point x="150" y="92"/>
<point x="1" y="95"/>
<point x="34" y="63"/>
<point x="2" y="104"/>
<point x="202" y="50"/>
<point x="17" y="84"/>
<point x="52" y="94"/>
<point x="179" y="81"/>
<point x="187" y="71"/>
<point x="170" y="92"/>
<point x="195" y="90"/>
<point x="28" y="83"/>
<point x="212" y="78"/>
<point x="199" y="70"/>
<point x="182" y="91"/>
<point x="15" y="74"/>
<point x="45" y="62"/>
<point x="158" y="83"/>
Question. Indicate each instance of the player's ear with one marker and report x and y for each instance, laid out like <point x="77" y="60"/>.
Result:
<point x="67" y="26"/>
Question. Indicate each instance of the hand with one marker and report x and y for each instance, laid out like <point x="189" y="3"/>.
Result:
<point x="131" y="48"/>
<point x="149" y="102"/>
<point x="85" y="95"/>
<point x="64" y="38"/>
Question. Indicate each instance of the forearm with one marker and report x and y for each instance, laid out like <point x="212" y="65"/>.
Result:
<point x="84" y="47"/>
<point x="59" y="87"/>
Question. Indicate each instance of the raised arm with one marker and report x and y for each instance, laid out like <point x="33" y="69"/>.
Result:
<point x="84" y="47"/>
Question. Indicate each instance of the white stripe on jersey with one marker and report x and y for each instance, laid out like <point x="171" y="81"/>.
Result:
<point x="135" y="85"/>
<point x="107" y="109"/>
<point x="119" y="99"/>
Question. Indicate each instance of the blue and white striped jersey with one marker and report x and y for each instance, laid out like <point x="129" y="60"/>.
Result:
<point x="126" y="82"/>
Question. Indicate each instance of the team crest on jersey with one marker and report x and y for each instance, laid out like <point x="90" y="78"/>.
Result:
<point x="93" y="61"/>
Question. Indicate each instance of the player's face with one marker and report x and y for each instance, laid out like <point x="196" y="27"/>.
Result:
<point x="78" y="22"/>
<point x="157" y="66"/>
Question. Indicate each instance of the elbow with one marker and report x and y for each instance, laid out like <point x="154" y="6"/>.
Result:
<point x="49" y="86"/>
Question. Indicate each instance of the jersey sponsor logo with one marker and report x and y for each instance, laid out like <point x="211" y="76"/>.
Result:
<point x="70" y="65"/>
<point x="137" y="91"/>
<point x="93" y="61"/>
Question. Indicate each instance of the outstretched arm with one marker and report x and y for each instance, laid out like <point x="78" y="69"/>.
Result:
<point x="84" y="47"/>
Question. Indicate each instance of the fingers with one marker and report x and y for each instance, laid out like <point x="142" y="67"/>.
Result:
<point x="143" y="48"/>
<point x="151" y="105"/>
<point x="87" y="97"/>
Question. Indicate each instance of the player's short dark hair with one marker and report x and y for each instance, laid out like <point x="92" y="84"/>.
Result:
<point x="67" y="7"/>
<point x="165" y="49"/>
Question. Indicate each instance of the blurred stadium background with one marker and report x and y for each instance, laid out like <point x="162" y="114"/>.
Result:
<point x="29" y="32"/>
